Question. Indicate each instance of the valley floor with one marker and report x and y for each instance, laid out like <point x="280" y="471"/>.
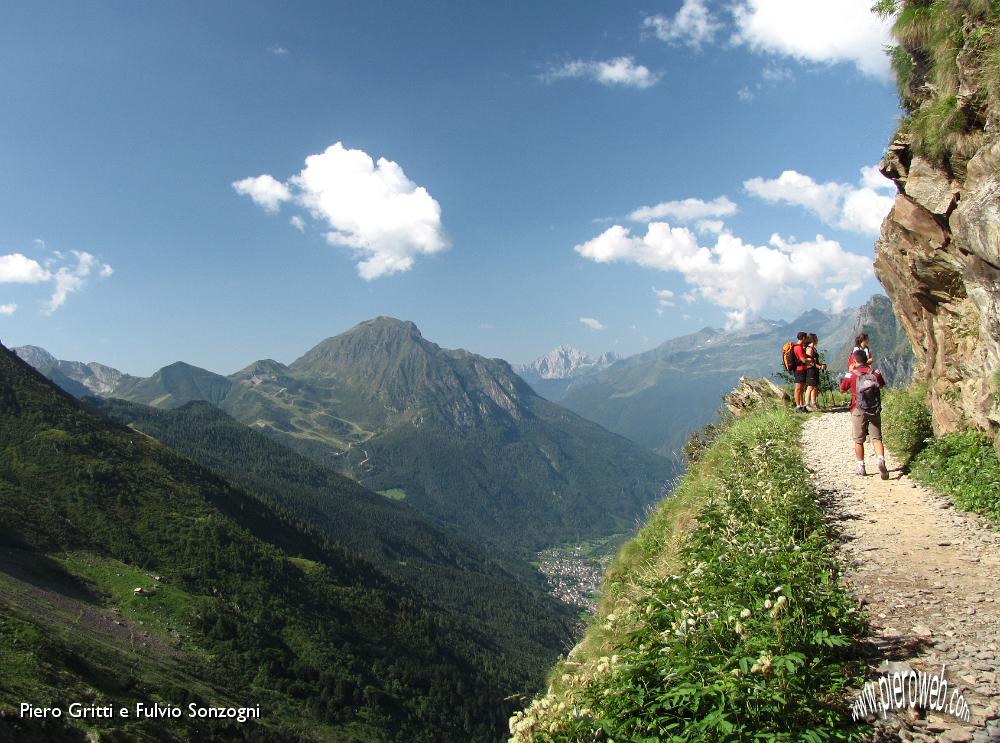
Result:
<point x="928" y="574"/>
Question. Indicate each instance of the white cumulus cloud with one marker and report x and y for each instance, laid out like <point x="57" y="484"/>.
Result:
<point x="740" y="277"/>
<point x="693" y="24"/>
<point x="616" y="71"/>
<point x="685" y="210"/>
<point x="816" y="31"/>
<point x="792" y="187"/>
<point x="859" y="208"/>
<point x="592" y="323"/>
<point x="370" y="207"/>
<point x="8" y="309"/>
<point x="266" y="191"/>
<point x="298" y="223"/>
<point x="17" y="268"/>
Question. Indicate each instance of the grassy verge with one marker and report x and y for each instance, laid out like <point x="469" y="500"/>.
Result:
<point x="723" y="619"/>
<point x="906" y="421"/>
<point x="963" y="466"/>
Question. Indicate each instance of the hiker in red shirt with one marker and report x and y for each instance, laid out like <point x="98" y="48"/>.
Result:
<point x="865" y="384"/>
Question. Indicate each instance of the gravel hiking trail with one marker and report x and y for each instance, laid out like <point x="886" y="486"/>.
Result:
<point x="927" y="574"/>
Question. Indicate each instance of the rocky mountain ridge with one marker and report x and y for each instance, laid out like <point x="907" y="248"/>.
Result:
<point x="80" y="379"/>
<point x="464" y="439"/>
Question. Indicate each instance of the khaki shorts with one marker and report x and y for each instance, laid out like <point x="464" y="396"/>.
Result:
<point x="862" y="425"/>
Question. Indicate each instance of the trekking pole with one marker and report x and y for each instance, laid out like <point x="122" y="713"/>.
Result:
<point x="828" y="389"/>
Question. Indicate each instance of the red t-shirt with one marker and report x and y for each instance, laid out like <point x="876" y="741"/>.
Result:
<point x="800" y="356"/>
<point x="850" y="382"/>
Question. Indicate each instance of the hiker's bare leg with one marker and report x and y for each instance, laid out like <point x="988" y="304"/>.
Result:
<point x="879" y="449"/>
<point x="859" y="450"/>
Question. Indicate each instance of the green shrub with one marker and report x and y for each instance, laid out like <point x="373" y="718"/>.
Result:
<point x="906" y="421"/>
<point x="965" y="467"/>
<point x="740" y="635"/>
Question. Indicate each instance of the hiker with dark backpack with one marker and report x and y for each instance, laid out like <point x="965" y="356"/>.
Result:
<point x="813" y="368"/>
<point x="865" y="384"/>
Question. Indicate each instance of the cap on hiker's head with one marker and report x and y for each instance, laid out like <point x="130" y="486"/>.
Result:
<point x="860" y="357"/>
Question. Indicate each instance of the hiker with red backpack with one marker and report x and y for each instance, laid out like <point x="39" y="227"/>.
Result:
<point x="865" y="384"/>
<point x="793" y="356"/>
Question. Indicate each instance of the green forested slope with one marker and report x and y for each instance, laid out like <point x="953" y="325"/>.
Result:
<point x="249" y="608"/>
<point x="505" y="596"/>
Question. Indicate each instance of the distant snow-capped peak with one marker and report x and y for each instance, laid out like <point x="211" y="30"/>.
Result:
<point x="566" y="361"/>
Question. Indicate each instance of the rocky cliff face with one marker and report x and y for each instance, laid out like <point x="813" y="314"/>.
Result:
<point x="939" y="259"/>
<point x="938" y="255"/>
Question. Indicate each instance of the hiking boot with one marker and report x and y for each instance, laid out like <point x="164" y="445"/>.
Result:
<point x="861" y="469"/>
<point x="801" y="409"/>
<point x="883" y="471"/>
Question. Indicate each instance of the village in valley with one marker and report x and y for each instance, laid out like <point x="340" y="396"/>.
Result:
<point x="574" y="572"/>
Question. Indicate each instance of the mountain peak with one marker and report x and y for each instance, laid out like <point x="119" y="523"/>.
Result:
<point x="565" y="361"/>
<point x="386" y="324"/>
<point x="809" y="318"/>
<point x="75" y="377"/>
<point x="36" y="356"/>
<point x="370" y="345"/>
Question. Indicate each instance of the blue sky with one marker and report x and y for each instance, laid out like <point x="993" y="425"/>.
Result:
<point x="154" y="157"/>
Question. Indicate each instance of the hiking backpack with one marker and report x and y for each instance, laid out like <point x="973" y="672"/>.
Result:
<point x="788" y="356"/>
<point x="867" y="397"/>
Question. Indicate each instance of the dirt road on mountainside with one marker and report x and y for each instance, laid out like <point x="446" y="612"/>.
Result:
<point x="929" y="575"/>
